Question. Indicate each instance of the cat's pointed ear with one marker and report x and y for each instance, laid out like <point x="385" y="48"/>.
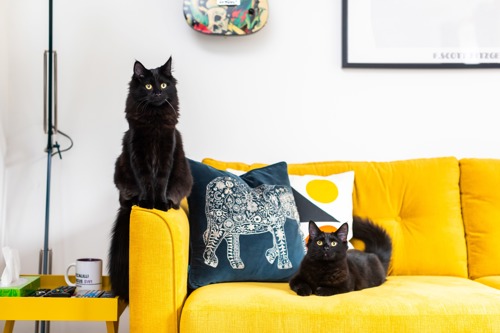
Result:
<point x="313" y="230"/>
<point x="342" y="232"/>
<point x="167" y="68"/>
<point x="139" y="69"/>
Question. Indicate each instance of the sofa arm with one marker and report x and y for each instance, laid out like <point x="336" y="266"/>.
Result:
<point x="159" y="250"/>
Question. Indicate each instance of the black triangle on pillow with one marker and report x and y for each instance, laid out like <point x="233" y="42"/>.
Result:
<point x="309" y="211"/>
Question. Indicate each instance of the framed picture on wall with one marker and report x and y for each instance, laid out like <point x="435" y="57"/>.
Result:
<point x="421" y="33"/>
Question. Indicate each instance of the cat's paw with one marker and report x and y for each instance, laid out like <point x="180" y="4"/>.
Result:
<point x="146" y="204"/>
<point x="302" y="289"/>
<point x="165" y="206"/>
<point x="322" y="291"/>
<point x="174" y="203"/>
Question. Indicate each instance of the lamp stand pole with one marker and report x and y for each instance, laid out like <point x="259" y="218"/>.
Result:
<point x="50" y="109"/>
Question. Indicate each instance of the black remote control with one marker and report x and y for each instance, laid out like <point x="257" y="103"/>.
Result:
<point x="63" y="291"/>
<point x="39" y="292"/>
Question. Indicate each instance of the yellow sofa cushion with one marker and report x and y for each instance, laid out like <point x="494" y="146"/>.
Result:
<point x="402" y="304"/>
<point x="479" y="185"/>
<point x="416" y="201"/>
<point x="492" y="281"/>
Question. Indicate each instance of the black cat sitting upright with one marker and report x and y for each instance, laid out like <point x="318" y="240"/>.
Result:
<point x="152" y="170"/>
<point x="329" y="268"/>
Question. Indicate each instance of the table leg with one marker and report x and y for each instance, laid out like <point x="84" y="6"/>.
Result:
<point x="112" y="326"/>
<point x="9" y="326"/>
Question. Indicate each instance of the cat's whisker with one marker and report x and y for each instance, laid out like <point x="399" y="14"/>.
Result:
<point x="166" y="100"/>
<point x="142" y="104"/>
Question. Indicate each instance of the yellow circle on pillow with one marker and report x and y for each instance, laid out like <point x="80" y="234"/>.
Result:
<point x="322" y="190"/>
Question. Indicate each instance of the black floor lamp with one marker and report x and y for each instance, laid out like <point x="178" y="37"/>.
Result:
<point x="51" y="129"/>
<point x="49" y="118"/>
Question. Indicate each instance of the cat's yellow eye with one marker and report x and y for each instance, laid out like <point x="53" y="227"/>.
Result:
<point x="163" y="85"/>
<point x="320" y="243"/>
<point x="334" y="243"/>
<point x="149" y="86"/>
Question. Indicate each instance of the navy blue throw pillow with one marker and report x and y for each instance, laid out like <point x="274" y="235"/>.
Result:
<point x="242" y="228"/>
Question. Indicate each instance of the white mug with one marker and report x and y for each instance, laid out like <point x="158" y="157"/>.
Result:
<point x="88" y="273"/>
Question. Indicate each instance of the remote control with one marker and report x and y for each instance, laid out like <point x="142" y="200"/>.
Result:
<point x="63" y="291"/>
<point x="39" y="293"/>
<point x="108" y="294"/>
<point x="88" y="293"/>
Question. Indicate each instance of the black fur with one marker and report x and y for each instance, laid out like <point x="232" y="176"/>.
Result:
<point x="329" y="268"/>
<point x="152" y="170"/>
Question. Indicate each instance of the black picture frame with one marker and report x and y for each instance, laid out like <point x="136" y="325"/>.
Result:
<point x="388" y="34"/>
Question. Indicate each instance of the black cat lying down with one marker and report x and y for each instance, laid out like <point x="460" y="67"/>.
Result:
<point x="329" y="268"/>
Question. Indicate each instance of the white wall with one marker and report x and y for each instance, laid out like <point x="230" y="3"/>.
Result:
<point x="3" y="112"/>
<point x="280" y="94"/>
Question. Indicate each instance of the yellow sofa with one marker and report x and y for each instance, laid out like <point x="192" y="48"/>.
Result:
<point x="443" y="215"/>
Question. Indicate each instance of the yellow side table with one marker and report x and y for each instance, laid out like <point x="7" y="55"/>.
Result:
<point x="63" y="309"/>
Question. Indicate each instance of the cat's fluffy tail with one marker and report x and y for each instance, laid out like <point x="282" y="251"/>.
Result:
<point x="118" y="253"/>
<point x="376" y="239"/>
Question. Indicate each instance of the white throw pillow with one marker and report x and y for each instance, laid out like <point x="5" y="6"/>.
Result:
<point x="325" y="200"/>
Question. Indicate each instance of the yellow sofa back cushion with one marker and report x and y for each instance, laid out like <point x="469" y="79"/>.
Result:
<point x="416" y="201"/>
<point x="480" y="193"/>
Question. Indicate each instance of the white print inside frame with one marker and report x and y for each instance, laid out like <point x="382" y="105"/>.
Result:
<point x="422" y="31"/>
